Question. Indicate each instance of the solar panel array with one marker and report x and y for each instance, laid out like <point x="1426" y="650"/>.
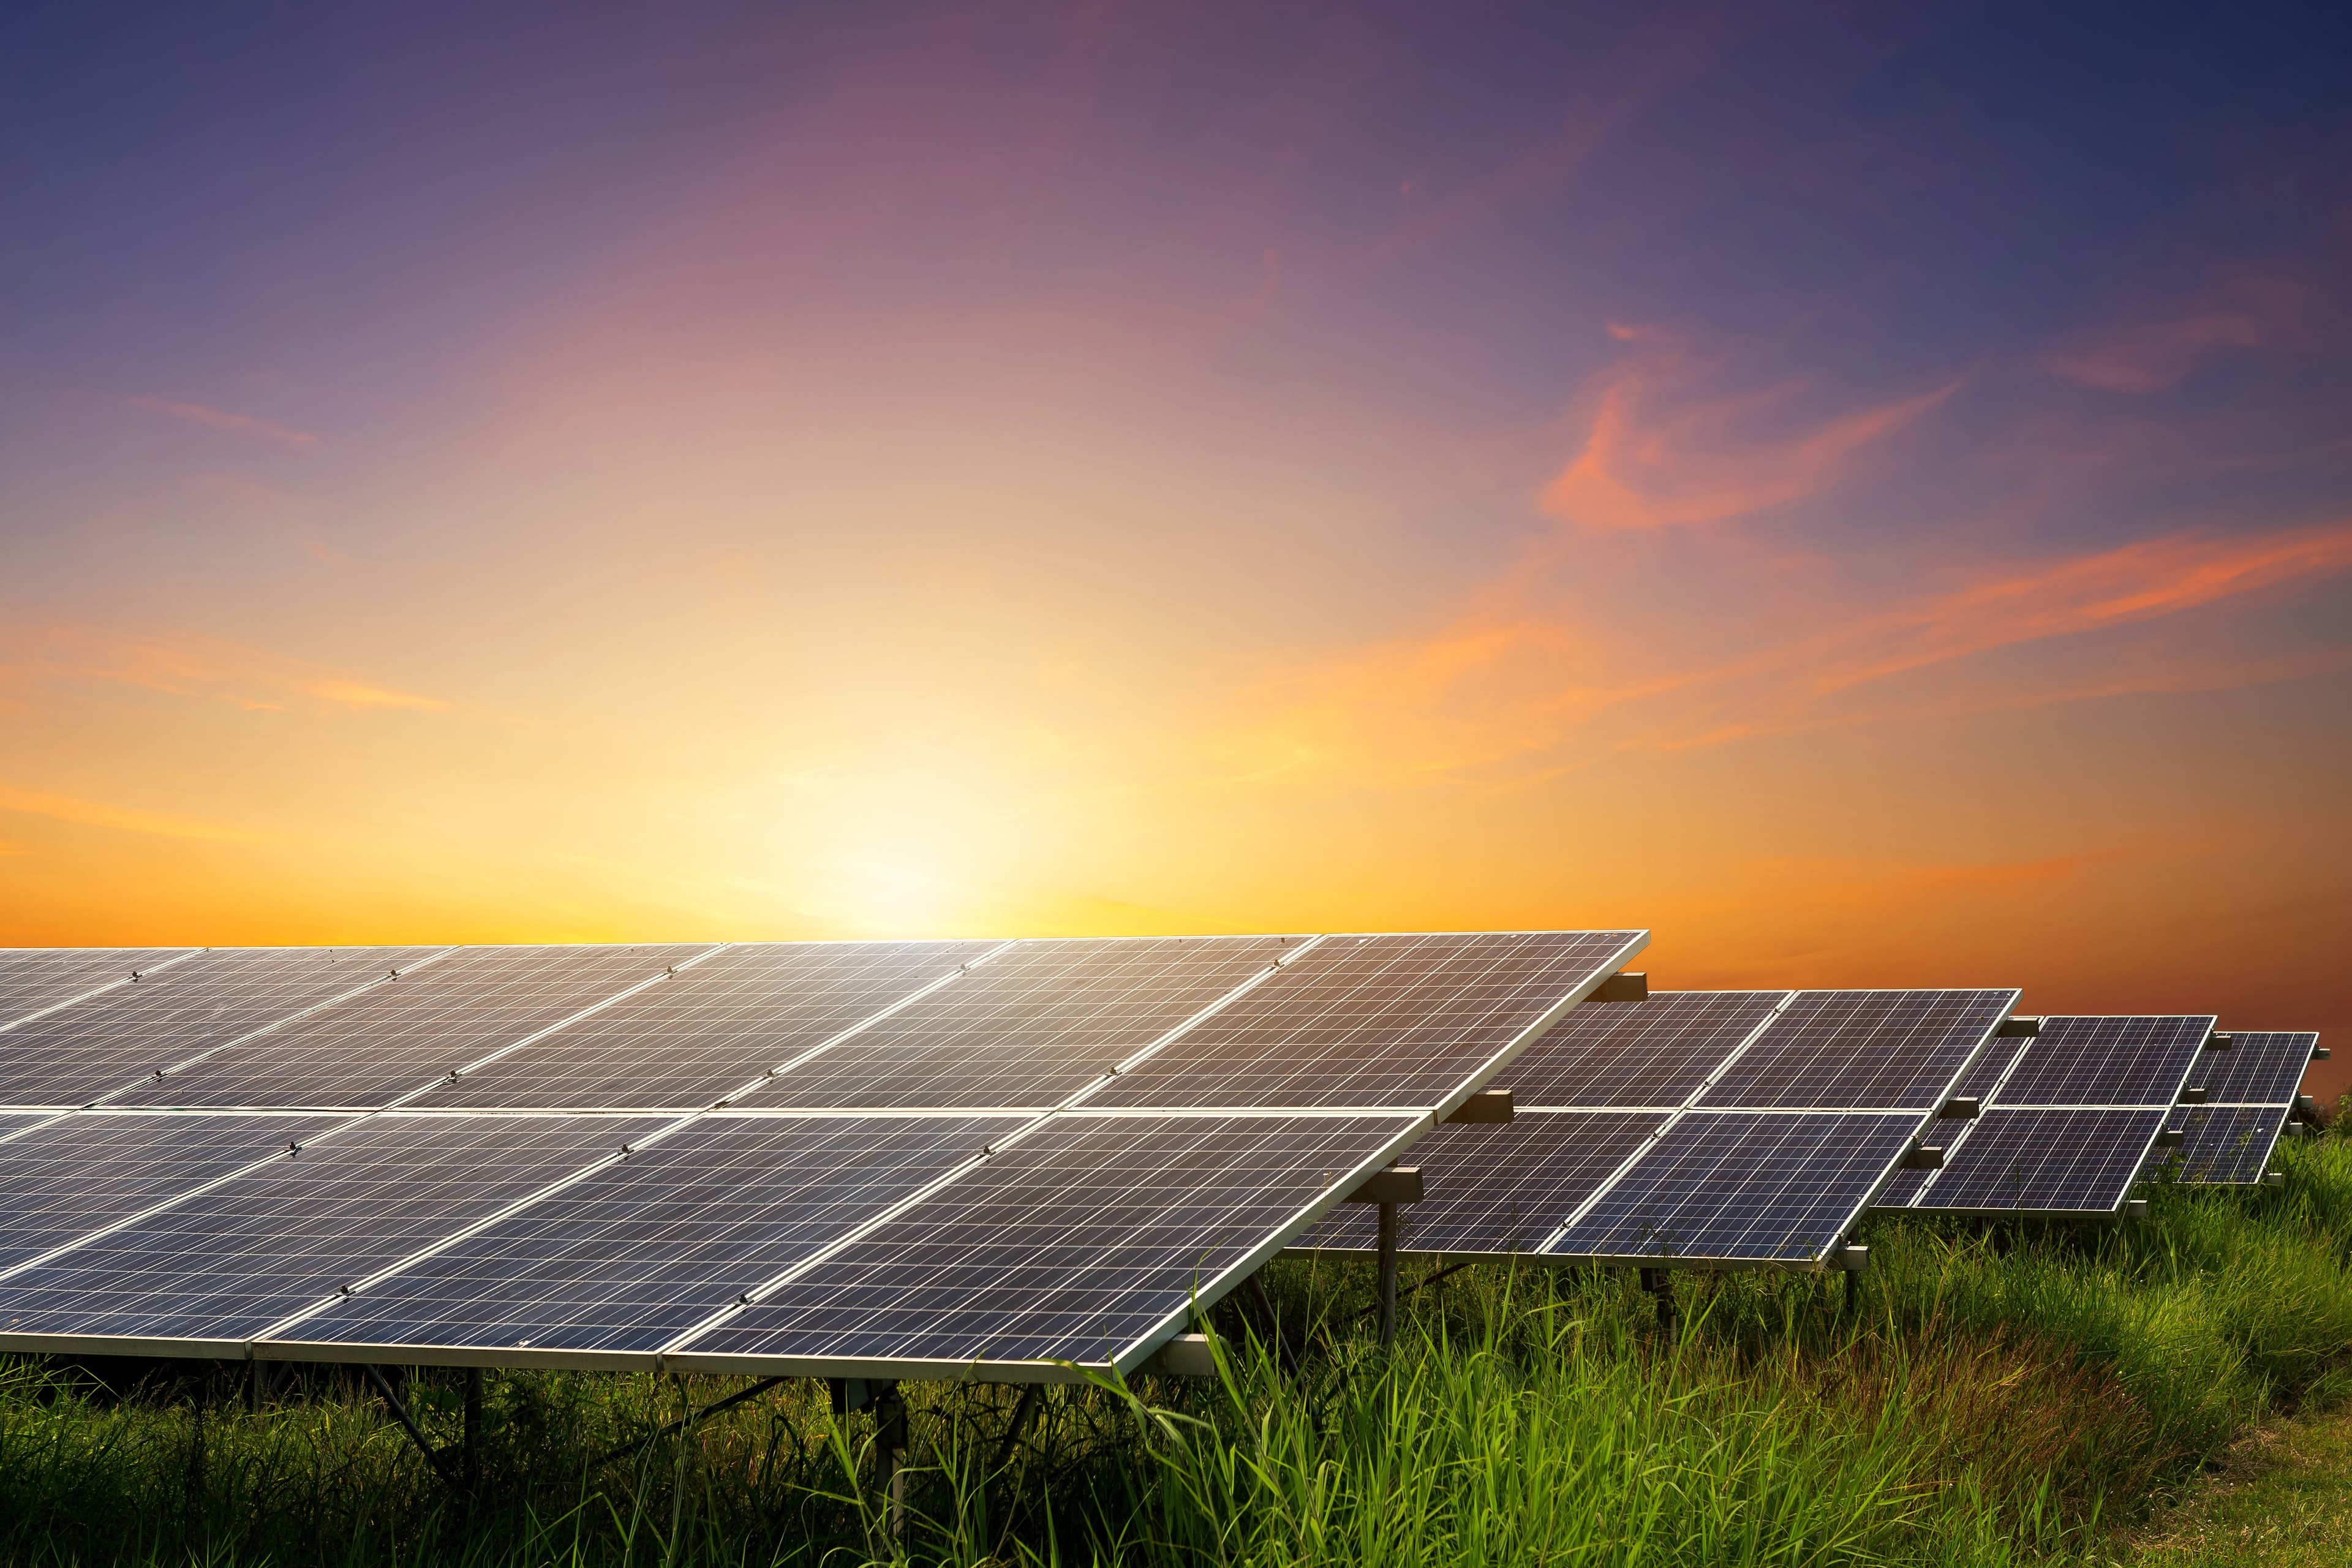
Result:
<point x="2249" y="1092"/>
<point x="1716" y="1128"/>
<point x="792" y="1156"/>
<point x="2067" y="1122"/>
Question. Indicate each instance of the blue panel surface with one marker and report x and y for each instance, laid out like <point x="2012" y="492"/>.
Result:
<point x="1029" y="1026"/>
<point x="34" y="979"/>
<point x="640" y="1251"/>
<point x="1498" y="1189"/>
<point x="1861" y="1050"/>
<point x="2072" y="1159"/>
<point x="72" y="1174"/>
<point x="1744" y="1186"/>
<point x="1074" y="1243"/>
<point x="710" y="1030"/>
<point x="110" y="1042"/>
<point x="394" y="1039"/>
<point x="230" y="1262"/>
<point x="2224" y="1143"/>
<point x="2109" y="1061"/>
<point x="1653" y="1053"/>
<point x="1401" y="1021"/>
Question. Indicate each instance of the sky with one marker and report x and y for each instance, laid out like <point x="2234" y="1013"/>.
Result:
<point x="1862" y="492"/>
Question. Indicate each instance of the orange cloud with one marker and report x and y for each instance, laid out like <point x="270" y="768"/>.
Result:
<point x="1657" y="457"/>
<point x="221" y="419"/>
<point x="190" y="664"/>
<point x="2245" y="313"/>
<point x="91" y="814"/>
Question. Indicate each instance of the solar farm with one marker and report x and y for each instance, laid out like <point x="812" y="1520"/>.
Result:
<point x="897" y="1176"/>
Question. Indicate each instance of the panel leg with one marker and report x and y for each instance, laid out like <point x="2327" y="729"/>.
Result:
<point x="890" y="1438"/>
<point x="1660" y="1282"/>
<point x="1031" y="1393"/>
<point x="471" y="1460"/>
<point x="1388" y="1283"/>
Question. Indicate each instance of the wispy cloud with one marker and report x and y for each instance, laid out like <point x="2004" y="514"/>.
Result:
<point x="2153" y="354"/>
<point x="190" y="664"/>
<point x="1663" y="451"/>
<point x="121" y="819"/>
<point x="221" y="419"/>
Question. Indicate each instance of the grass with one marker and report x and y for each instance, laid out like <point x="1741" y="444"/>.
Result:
<point x="1989" y="1396"/>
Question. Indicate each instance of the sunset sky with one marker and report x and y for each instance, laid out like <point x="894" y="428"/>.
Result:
<point x="1863" y="491"/>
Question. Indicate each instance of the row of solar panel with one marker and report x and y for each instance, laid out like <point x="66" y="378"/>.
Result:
<point x="1620" y="1147"/>
<point x="1723" y="1126"/>
<point x="951" y="1025"/>
<point x="999" y="1161"/>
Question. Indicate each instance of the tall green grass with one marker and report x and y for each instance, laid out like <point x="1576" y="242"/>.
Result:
<point x="1987" y="1396"/>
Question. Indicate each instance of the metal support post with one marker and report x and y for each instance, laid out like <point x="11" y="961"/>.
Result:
<point x="471" y="1460"/>
<point x="1388" y="1287"/>
<point x="890" y="1438"/>
<point x="1031" y="1393"/>
<point x="408" y="1424"/>
<point x="1658" y="1282"/>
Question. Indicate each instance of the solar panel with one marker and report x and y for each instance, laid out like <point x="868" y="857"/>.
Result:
<point x="396" y="1038"/>
<point x="641" y="1251"/>
<point x="1029" y="1026"/>
<point x="1652" y="1052"/>
<point x="1879" y="1050"/>
<point x="1403" y="1020"/>
<point x="1498" y="1189"/>
<point x="2107" y="1061"/>
<point x="1743" y="1186"/>
<point x="1087" y="1240"/>
<point x="108" y="1042"/>
<point x="2064" y="1160"/>
<point x="2225" y="1143"/>
<point x="685" y="1043"/>
<point x="222" y="1265"/>
<point x="2262" y="1068"/>
<point x="15" y="1121"/>
<point x="66" y="1178"/>
<point x="1985" y="1076"/>
<point x="35" y="979"/>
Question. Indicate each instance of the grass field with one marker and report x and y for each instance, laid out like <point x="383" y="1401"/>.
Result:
<point x="2022" y="1394"/>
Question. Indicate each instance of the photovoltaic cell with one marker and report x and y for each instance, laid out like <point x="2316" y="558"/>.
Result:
<point x="2072" y="1161"/>
<point x="1892" y="1049"/>
<point x="711" y="1029"/>
<point x="1077" y="1242"/>
<point x="2224" y="1144"/>
<point x="1983" y="1079"/>
<point x="227" y="1263"/>
<point x="2107" y="1061"/>
<point x="15" y="1121"/>
<point x="1498" y="1189"/>
<point x="1030" y="1026"/>
<point x="1743" y="1186"/>
<point x="34" y="978"/>
<point x="1653" y="1053"/>
<point x="2262" y="1068"/>
<point x="398" y="1038"/>
<point x="108" y="1043"/>
<point x="76" y="1173"/>
<point x="637" y="1253"/>
<point x="1400" y="1020"/>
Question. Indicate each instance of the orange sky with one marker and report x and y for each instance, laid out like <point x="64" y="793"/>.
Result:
<point x="922" y="493"/>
